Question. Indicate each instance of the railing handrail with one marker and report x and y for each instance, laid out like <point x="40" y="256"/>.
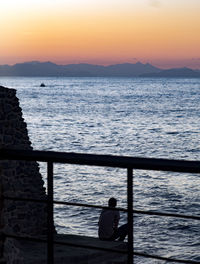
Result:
<point x="161" y="164"/>
<point x="129" y="163"/>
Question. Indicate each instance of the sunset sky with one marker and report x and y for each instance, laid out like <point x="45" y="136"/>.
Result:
<point x="165" y="33"/>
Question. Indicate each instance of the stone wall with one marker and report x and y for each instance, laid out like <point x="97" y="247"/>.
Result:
<point x="18" y="179"/>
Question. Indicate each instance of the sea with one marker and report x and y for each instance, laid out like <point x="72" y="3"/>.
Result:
<point x="137" y="117"/>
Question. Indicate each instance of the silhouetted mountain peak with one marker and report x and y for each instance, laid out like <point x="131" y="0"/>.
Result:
<point x="36" y="63"/>
<point x="28" y="63"/>
<point x="139" y="63"/>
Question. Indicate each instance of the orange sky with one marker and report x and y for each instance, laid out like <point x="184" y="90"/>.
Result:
<point x="165" y="33"/>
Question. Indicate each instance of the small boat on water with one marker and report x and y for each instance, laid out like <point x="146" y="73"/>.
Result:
<point x="42" y="85"/>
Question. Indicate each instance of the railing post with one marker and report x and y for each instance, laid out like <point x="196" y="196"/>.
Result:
<point x="50" y="222"/>
<point x="130" y="214"/>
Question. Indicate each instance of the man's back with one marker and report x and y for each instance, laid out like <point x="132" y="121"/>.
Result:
<point x="107" y="221"/>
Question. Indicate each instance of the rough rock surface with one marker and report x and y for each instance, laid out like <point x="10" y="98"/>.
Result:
<point x="18" y="179"/>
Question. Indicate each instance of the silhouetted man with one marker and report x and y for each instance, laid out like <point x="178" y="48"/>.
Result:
<point x="108" y="223"/>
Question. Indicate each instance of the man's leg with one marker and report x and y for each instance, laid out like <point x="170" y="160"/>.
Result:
<point x="120" y="233"/>
<point x="123" y="232"/>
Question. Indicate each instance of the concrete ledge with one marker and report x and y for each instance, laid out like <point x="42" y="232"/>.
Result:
<point x="32" y="252"/>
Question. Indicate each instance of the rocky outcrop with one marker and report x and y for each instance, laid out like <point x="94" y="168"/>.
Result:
<point x="20" y="179"/>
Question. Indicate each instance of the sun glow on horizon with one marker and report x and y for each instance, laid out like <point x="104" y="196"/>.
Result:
<point x="162" y="32"/>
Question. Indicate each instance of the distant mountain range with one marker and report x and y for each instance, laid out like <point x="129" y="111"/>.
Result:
<point x="176" y="72"/>
<point x="36" y="68"/>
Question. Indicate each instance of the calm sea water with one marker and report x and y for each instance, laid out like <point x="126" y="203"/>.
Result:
<point x="123" y="116"/>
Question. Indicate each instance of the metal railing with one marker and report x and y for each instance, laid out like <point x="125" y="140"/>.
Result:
<point x="128" y="163"/>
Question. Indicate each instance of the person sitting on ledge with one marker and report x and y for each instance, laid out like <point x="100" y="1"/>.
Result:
<point x="108" y="223"/>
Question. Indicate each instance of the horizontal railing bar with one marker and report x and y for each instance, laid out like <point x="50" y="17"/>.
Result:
<point x="62" y="203"/>
<point x="90" y="206"/>
<point x="166" y="214"/>
<point x="102" y="160"/>
<point x="135" y="211"/>
<point x="165" y="258"/>
<point x="24" y="199"/>
<point x="101" y="249"/>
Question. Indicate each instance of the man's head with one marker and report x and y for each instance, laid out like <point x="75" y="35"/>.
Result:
<point x="112" y="202"/>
